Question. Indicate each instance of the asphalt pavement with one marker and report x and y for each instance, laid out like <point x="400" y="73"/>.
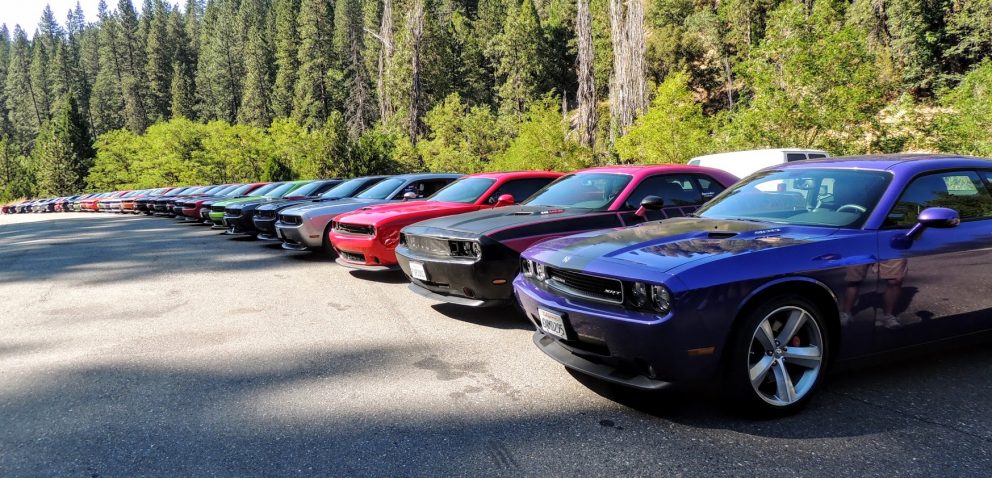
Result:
<point x="135" y="346"/>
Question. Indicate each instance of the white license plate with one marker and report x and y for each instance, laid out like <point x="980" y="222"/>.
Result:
<point x="417" y="271"/>
<point x="552" y="323"/>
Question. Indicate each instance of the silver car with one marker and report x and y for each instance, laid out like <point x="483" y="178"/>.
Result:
<point x="304" y="228"/>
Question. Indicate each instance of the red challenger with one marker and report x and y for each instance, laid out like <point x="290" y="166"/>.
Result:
<point x="367" y="238"/>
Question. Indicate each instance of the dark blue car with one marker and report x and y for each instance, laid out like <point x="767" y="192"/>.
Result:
<point x="794" y="268"/>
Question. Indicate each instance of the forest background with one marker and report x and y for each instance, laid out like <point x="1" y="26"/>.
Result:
<point x="239" y="90"/>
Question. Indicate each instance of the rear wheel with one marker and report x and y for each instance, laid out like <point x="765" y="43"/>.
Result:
<point x="779" y="356"/>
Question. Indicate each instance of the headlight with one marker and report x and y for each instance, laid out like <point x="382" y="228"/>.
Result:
<point x="661" y="298"/>
<point x="527" y="267"/>
<point x="476" y="249"/>
<point x="639" y="294"/>
<point x="540" y="271"/>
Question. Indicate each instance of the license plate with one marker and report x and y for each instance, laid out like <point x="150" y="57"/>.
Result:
<point x="552" y="323"/>
<point x="417" y="271"/>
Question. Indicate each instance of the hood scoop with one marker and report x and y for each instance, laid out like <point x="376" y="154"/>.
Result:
<point x="538" y="213"/>
<point x="721" y="235"/>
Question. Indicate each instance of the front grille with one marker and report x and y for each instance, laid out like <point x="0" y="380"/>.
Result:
<point x="290" y="219"/>
<point x="217" y="208"/>
<point x="352" y="256"/>
<point x="356" y="229"/>
<point x="585" y="285"/>
<point x="265" y="214"/>
<point x="232" y="212"/>
<point x="428" y="245"/>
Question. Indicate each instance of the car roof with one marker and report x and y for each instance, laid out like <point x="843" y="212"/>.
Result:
<point x="910" y="163"/>
<point x="419" y="176"/>
<point x="516" y="174"/>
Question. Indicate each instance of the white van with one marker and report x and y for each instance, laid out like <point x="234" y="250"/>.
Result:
<point x="743" y="163"/>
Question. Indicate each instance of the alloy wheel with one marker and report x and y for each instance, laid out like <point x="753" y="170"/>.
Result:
<point x="786" y="355"/>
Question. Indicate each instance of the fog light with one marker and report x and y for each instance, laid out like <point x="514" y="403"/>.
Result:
<point x="540" y="271"/>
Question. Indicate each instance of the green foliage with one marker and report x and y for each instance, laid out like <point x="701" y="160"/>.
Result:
<point x="462" y="138"/>
<point x="672" y="131"/>
<point x="813" y="84"/>
<point x="966" y="126"/>
<point x="63" y="151"/>
<point x="542" y="142"/>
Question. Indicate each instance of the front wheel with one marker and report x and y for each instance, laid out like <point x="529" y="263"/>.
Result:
<point x="779" y="356"/>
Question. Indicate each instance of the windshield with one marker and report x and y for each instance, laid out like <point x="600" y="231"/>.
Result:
<point x="225" y="190"/>
<point x="281" y="190"/>
<point x="582" y="191"/>
<point x="238" y="191"/>
<point x="309" y="188"/>
<point x="466" y="190"/>
<point x="809" y="197"/>
<point x="348" y="188"/>
<point x="265" y="189"/>
<point x="382" y="190"/>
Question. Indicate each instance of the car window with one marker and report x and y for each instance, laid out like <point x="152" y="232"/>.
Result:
<point x="351" y="187"/>
<point x="466" y="190"/>
<point x="962" y="191"/>
<point x="709" y="187"/>
<point x="520" y="189"/>
<point x="816" y="155"/>
<point x="790" y="157"/>
<point x="674" y="189"/>
<point x="582" y="190"/>
<point x="424" y="188"/>
<point x="806" y="196"/>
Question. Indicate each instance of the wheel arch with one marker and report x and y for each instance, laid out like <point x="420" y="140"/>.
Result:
<point x="807" y="287"/>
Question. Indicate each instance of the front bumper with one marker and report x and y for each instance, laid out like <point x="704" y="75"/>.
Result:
<point x="239" y="224"/>
<point x="295" y="237"/>
<point x="217" y="218"/>
<point x="462" y="280"/>
<point x="363" y="252"/>
<point x="266" y="227"/>
<point x="636" y="349"/>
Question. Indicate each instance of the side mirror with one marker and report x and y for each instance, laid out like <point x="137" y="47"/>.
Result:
<point x="504" y="200"/>
<point x="650" y="203"/>
<point x="409" y="195"/>
<point x="935" y="217"/>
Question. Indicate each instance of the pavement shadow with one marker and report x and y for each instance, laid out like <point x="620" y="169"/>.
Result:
<point x="384" y="277"/>
<point x="506" y="317"/>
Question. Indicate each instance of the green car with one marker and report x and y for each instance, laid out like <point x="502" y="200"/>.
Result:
<point x="267" y="192"/>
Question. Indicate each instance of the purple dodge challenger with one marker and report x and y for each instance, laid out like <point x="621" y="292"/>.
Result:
<point x="792" y="269"/>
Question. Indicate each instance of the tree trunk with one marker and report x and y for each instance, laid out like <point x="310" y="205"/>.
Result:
<point x="586" y="94"/>
<point x="628" y="88"/>
<point x="416" y="25"/>
<point x="385" y="37"/>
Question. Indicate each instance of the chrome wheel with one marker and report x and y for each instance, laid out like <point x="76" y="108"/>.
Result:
<point x="786" y="355"/>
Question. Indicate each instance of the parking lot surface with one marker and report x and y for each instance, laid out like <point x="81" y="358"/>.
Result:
<point x="137" y="346"/>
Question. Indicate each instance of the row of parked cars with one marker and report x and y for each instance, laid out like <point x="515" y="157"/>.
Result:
<point x="647" y="276"/>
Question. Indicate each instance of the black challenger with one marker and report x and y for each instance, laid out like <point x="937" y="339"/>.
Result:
<point x="239" y="214"/>
<point x="471" y="259"/>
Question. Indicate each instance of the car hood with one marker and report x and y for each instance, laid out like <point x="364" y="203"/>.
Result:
<point x="415" y="210"/>
<point x="488" y="222"/>
<point x="334" y="206"/>
<point x="228" y="202"/>
<point x="661" y="246"/>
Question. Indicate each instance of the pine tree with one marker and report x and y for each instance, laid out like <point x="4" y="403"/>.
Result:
<point x="586" y="93"/>
<point x="107" y="100"/>
<point x="520" y="69"/>
<point x="220" y="71"/>
<point x="63" y="151"/>
<point x="4" y="64"/>
<point x="182" y="92"/>
<point x="312" y="98"/>
<point x="285" y="56"/>
<point x="183" y="97"/>
<point x="41" y="84"/>
<point x="359" y="103"/>
<point x="133" y="80"/>
<point x="159" y="52"/>
<point x="256" y="104"/>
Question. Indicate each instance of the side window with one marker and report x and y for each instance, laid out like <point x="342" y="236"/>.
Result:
<point x="962" y="191"/>
<point x="520" y="189"/>
<point x="816" y="155"/>
<point x="426" y="187"/>
<point x="790" y="157"/>
<point x="709" y="187"/>
<point x="675" y="189"/>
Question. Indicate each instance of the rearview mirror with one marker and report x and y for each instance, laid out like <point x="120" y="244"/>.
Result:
<point x="650" y="203"/>
<point x="504" y="200"/>
<point x="409" y="195"/>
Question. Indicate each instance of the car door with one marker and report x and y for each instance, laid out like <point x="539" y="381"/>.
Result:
<point x="682" y="194"/>
<point x="935" y="286"/>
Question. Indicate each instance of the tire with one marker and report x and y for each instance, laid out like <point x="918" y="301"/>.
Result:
<point x="787" y="368"/>
<point x="325" y="243"/>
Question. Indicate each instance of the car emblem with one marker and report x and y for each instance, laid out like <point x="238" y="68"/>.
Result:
<point x="566" y="259"/>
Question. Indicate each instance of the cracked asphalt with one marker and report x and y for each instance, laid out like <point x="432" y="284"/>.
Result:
<point x="134" y="346"/>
